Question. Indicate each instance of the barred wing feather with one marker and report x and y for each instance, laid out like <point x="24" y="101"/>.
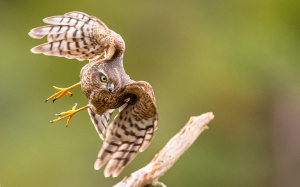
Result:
<point x="126" y="136"/>
<point x="131" y="131"/>
<point x="72" y="35"/>
<point x="100" y="121"/>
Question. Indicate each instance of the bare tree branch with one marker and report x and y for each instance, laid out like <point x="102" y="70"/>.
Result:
<point x="165" y="159"/>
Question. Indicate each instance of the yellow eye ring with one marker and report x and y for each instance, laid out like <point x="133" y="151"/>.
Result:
<point x="103" y="78"/>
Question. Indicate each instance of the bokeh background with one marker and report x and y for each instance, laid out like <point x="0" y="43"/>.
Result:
<point x="238" y="59"/>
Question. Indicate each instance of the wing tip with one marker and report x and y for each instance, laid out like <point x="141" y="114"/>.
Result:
<point x="106" y="173"/>
<point x="52" y="20"/>
<point x="117" y="172"/>
<point x="75" y="12"/>
<point x="111" y="171"/>
<point x="35" y="50"/>
<point x="33" y="34"/>
<point x="98" y="164"/>
<point x="45" y="20"/>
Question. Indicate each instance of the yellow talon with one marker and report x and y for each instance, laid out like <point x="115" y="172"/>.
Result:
<point x="69" y="114"/>
<point x="61" y="92"/>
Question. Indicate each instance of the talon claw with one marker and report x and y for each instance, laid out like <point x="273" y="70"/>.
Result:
<point x="61" y="92"/>
<point x="68" y="114"/>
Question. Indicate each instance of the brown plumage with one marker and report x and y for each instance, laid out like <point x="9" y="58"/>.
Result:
<point x="105" y="84"/>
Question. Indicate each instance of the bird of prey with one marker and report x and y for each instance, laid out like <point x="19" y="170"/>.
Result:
<point x="105" y="84"/>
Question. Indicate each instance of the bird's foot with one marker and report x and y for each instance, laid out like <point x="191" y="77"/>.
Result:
<point x="69" y="114"/>
<point x="61" y="92"/>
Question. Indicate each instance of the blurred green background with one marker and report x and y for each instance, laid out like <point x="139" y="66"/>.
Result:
<point x="238" y="59"/>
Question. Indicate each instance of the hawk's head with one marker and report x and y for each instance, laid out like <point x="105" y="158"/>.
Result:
<point x="109" y="75"/>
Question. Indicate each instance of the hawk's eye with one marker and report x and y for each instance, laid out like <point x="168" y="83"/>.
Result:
<point x="103" y="78"/>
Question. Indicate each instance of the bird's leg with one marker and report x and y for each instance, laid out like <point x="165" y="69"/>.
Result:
<point x="61" y="92"/>
<point x="69" y="114"/>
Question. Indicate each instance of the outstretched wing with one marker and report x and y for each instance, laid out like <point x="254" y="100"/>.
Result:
<point x="100" y="121"/>
<point x="130" y="133"/>
<point x="73" y="35"/>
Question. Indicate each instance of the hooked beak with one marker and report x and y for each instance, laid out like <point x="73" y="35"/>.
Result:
<point x="111" y="87"/>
